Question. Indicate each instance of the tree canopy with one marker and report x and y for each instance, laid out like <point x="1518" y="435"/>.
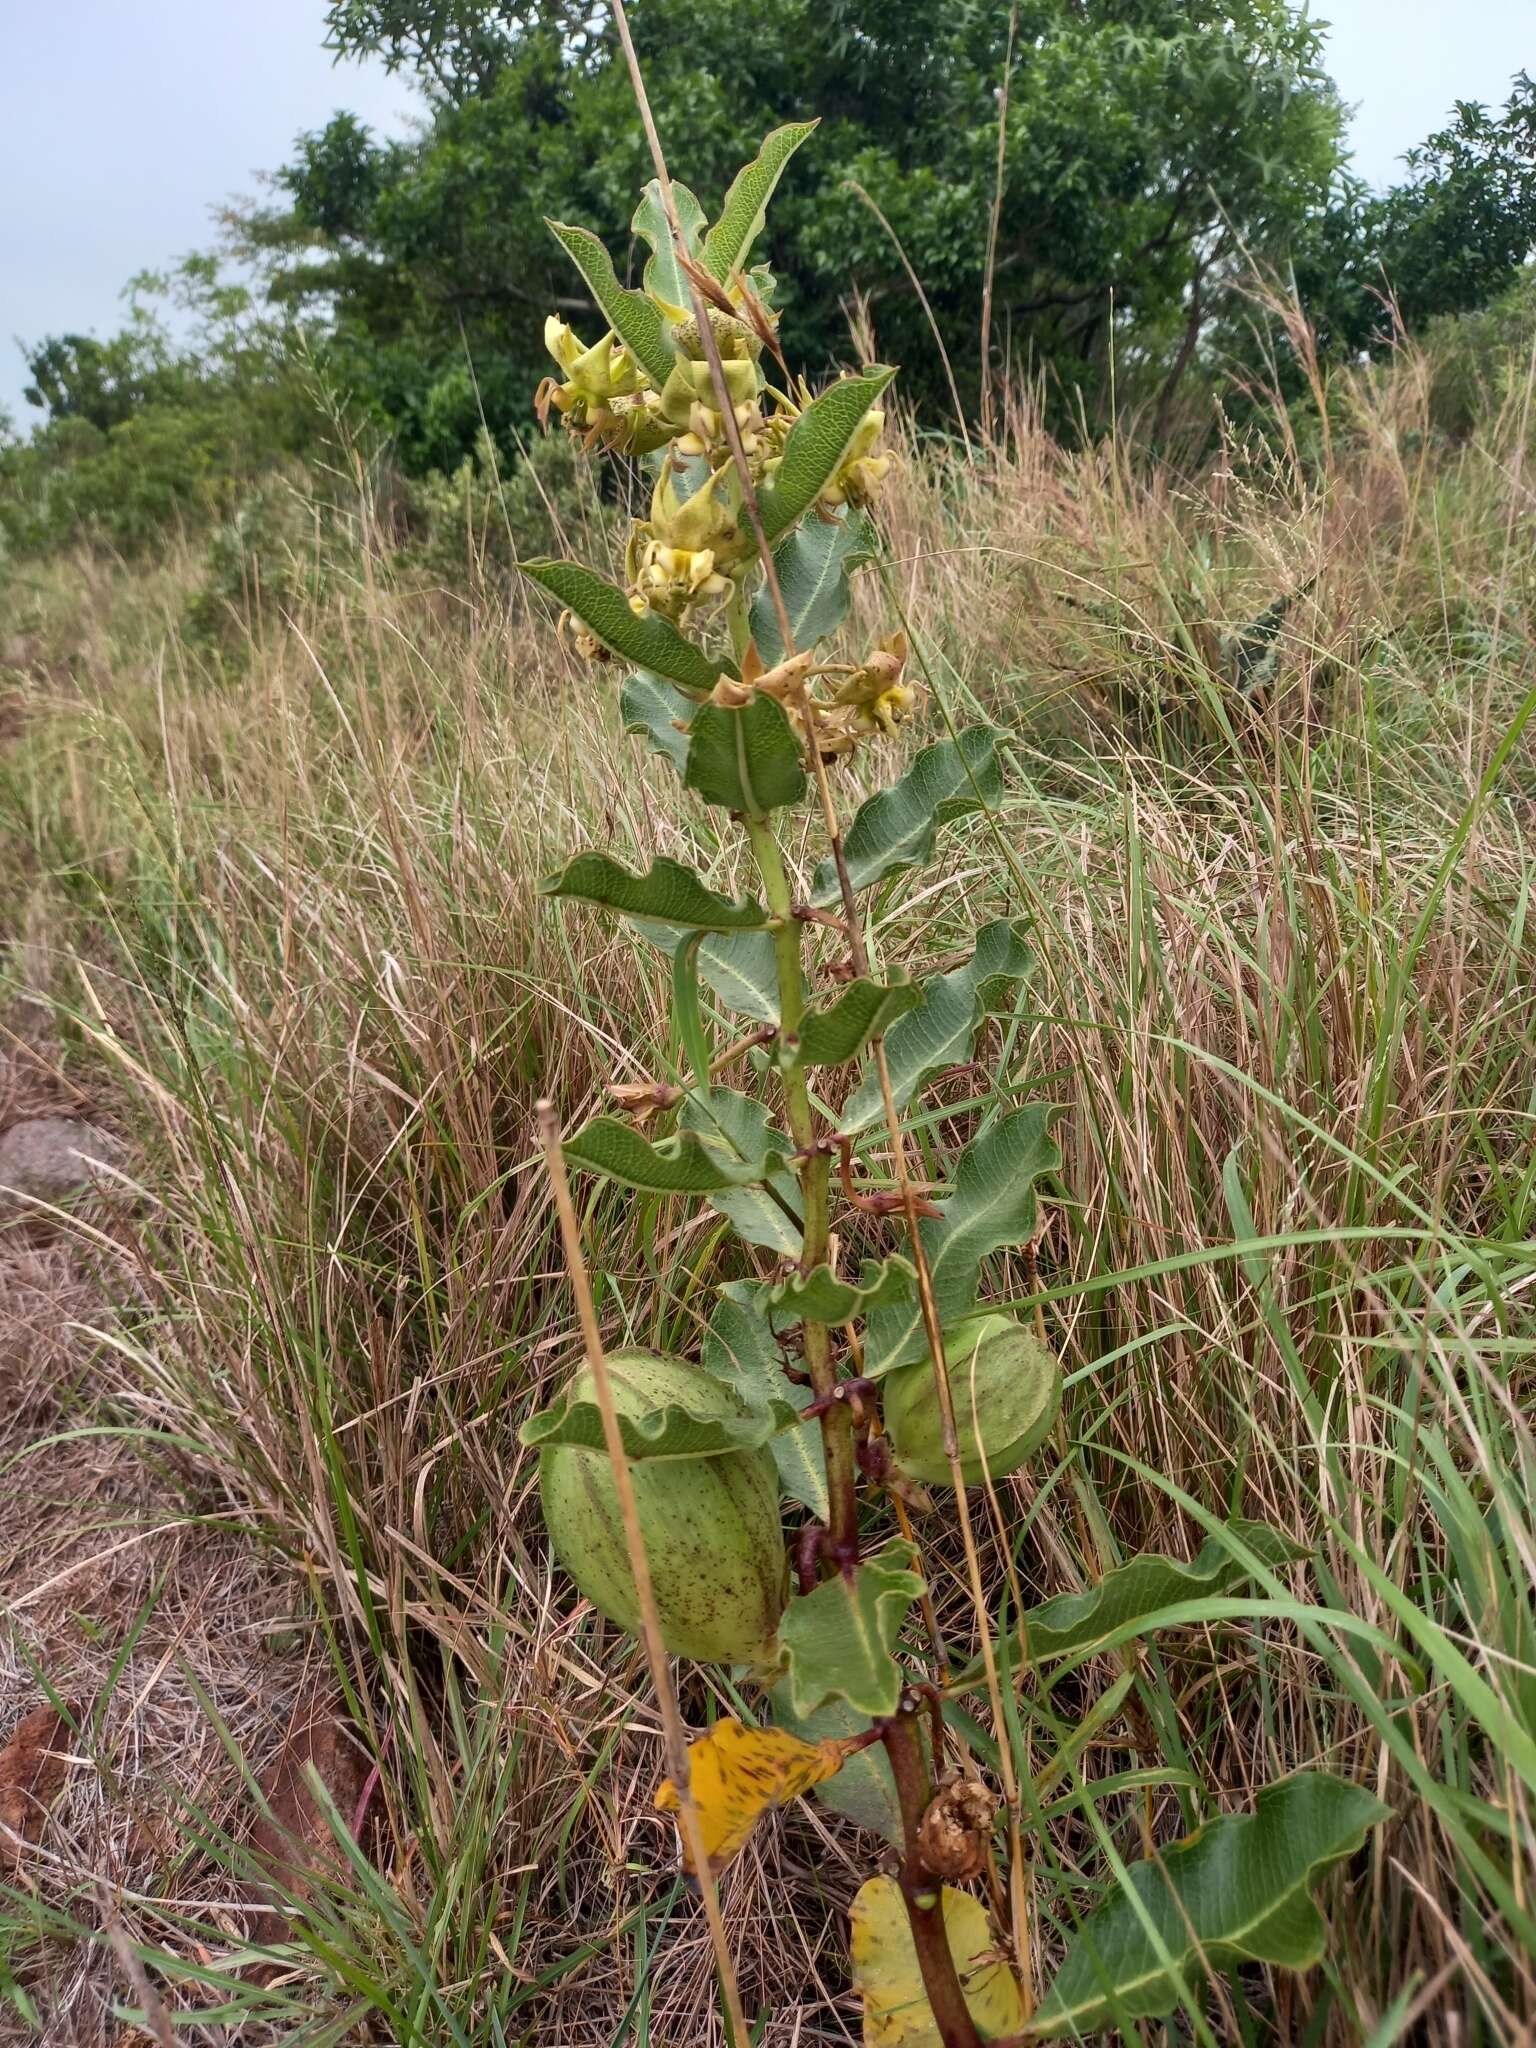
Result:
<point x="1154" y="154"/>
<point x="1148" y="143"/>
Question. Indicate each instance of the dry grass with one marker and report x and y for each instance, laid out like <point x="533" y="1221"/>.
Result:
<point x="282" y="919"/>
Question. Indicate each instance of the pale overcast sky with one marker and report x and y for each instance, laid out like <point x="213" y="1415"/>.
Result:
<point x="123" y="124"/>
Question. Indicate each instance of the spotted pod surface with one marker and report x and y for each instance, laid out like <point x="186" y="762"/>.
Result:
<point x="711" y="1525"/>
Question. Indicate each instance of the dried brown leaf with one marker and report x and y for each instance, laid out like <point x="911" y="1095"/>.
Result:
<point x="32" y="1771"/>
<point x="292" y="1842"/>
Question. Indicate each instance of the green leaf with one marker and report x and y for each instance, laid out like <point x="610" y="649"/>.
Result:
<point x="739" y="1348"/>
<point x="687" y="1010"/>
<point x="812" y="564"/>
<point x="647" y="639"/>
<point x="637" y="323"/>
<point x="739" y="966"/>
<point x="820" y="1297"/>
<point x="747" y="761"/>
<point x="864" y="1791"/>
<point x="738" y="1125"/>
<point x="839" y="1641"/>
<point x="675" y="1431"/>
<point x="863" y="1010"/>
<point x="680" y="1165"/>
<point x="942" y="1030"/>
<point x="669" y="891"/>
<point x="729" y="241"/>
<point x="1139" y="1590"/>
<point x="895" y="829"/>
<point x="992" y="1205"/>
<point x="816" y="448"/>
<point x="664" y="278"/>
<point x="659" y="709"/>
<point x="1236" y="1891"/>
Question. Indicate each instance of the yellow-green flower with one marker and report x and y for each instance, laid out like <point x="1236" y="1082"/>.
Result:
<point x="861" y="471"/>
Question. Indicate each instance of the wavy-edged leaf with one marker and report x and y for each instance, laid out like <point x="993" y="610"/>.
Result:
<point x="992" y="1204"/>
<point x="670" y="890"/>
<point x="816" y="448"/>
<point x="729" y="241"/>
<point x="647" y="639"/>
<point x="680" y="1165"/>
<point x="739" y="1349"/>
<point x="631" y="315"/>
<point x="738" y="1124"/>
<point x="651" y="705"/>
<point x="739" y="966"/>
<point x="747" y="761"/>
<point x="888" y="1978"/>
<point x="1140" y="1590"/>
<point x="896" y="828"/>
<point x="673" y="1431"/>
<point x="1235" y="1891"/>
<point x="839" y="1641"/>
<point x="664" y="278"/>
<point x="812" y="564"/>
<point x="864" y="1791"/>
<point x="942" y="1029"/>
<point x="820" y="1297"/>
<point x="736" y="1774"/>
<point x="837" y="1031"/>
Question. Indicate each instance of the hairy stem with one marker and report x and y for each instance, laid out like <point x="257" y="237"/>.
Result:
<point x="923" y="1894"/>
<point x="815" y="1172"/>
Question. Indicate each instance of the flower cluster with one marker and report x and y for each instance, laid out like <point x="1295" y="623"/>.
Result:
<point x="693" y="556"/>
<point x="849" y="705"/>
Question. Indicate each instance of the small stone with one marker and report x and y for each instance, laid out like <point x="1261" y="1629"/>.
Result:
<point x="49" y="1158"/>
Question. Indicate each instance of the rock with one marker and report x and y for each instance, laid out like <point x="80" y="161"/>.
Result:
<point x="49" y="1158"/>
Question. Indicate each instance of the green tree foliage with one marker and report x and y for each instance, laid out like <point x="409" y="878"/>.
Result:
<point x="144" y="430"/>
<point x="1451" y="237"/>
<point x="1148" y="140"/>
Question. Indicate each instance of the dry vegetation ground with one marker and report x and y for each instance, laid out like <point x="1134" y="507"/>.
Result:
<point x="273" y="919"/>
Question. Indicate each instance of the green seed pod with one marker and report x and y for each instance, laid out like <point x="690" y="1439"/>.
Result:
<point x="1006" y="1388"/>
<point x="711" y="1525"/>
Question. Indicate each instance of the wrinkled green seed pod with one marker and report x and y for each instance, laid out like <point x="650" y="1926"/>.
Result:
<point x="711" y="1525"/>
<point x="1006" y="1387"/>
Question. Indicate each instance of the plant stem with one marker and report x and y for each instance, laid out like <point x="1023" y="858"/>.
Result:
<point x="815" y="1172"/>
<point x="923" y="1894"/>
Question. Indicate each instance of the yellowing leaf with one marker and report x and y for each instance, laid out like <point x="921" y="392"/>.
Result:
<point x="887" y="1977"/>
<point x="738" y="1773"/>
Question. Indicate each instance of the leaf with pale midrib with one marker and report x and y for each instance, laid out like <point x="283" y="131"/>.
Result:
<point x="1236" y="1891"/>
<point x="766" y="1215"/>
<point x="839" y="1641"/>
<point x="668" y="890"/>
<point x="896" y="828"/>
<point x="991" y="1205"/>
<point x="748" y="761"/>
<point x="645" y="638"/>
<point x="680" y="1165"/>
<point x="942" y="1030"/>
<point x="1140" y="1589"/>
<point x="739" y="1348"/>
<point x="812" y="564"/>
<point x="817" y="445"/>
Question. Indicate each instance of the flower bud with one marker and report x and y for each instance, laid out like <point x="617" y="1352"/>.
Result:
<point x="711" y="1525"/>
<point x="1006" y="1388"/>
